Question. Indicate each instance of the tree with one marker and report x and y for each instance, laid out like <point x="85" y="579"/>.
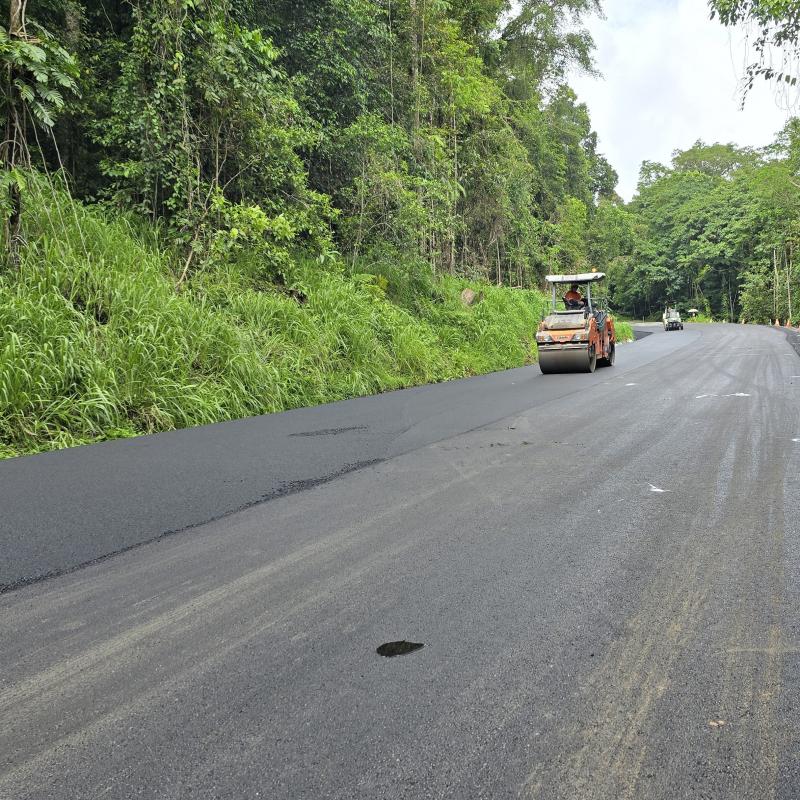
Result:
<point x="428" y="134"/>
<point x="201" y="119"/>
<point x="543" y="41"/>
<point x="37" y="72"/>
<point x="721" y="160"/>
<point x="719" y="230"/>
<point x="776" y="40"/>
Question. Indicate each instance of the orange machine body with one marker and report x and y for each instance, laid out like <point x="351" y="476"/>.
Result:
<point x="579" y="338"/>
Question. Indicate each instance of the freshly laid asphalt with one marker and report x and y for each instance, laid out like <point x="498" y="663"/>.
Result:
<point x="604" y="572"/>
<point x="67" y="508"/>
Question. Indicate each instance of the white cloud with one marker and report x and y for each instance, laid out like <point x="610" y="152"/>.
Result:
<point x="670" y="77"/>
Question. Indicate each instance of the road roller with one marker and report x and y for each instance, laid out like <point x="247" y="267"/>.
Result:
<point x="580" y="335"/>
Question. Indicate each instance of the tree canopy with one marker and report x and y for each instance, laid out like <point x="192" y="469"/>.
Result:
<point x="716" y="230"/>
<point x="438" y="134"/>
<point x="389" y="136"/>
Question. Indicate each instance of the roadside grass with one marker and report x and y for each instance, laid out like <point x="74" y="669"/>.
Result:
<point x="623" y="330"/>
<point x="96" y="343"/>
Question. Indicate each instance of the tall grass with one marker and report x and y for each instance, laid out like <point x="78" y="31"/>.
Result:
<point x="96" y="343"/>
<point x="623" y="331"/>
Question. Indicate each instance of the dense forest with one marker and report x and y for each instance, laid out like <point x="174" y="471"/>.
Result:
<point x="718" y="229"/>
<point x="214" y="209"/>
<point x="412" y="132"/>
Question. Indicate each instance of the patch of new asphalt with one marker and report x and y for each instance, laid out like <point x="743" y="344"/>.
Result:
<point x="68" y="508"/>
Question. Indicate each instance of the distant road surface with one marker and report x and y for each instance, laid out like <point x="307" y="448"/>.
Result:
<point x="604" y="571"/>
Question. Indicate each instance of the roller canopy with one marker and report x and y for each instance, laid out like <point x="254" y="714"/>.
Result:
<point x="585" y="277"/>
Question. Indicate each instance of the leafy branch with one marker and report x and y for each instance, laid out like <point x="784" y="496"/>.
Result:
<point x="38" y="73"/>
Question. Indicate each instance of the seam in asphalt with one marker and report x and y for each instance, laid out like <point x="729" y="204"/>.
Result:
<point x="292" y="487"/>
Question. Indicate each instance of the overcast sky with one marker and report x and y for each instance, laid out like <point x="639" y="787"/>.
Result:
<point x="670" y="77"/>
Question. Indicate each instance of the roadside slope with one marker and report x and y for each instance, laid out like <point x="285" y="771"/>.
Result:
<point x="100" y="338"/>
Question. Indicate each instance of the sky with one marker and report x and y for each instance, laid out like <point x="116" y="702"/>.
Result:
<point x="670" y="77"/>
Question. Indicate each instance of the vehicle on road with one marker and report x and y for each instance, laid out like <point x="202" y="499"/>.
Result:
<point x="581" y="336"/>
<point x="672" y="320"/>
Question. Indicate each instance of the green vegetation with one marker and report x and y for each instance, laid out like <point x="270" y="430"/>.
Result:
<point x="216" y="209"/>
<point x="623" y="331"/>
<point x="774" y="31"/>
<point x="97" y="344"/>
<point x="718" y="230"/>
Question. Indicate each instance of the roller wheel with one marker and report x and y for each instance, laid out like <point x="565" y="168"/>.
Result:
<point x="546" y="367"/>
<point x="573" y="360"/>
<point x="592" y="360"/>
<point x="609" y="360"/>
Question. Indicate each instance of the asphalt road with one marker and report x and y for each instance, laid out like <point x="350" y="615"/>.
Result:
<point x="604" y="573"/>
<point x="65" y="509"/>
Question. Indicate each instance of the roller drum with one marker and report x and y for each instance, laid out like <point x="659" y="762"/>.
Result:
<point x="573" y="360"/>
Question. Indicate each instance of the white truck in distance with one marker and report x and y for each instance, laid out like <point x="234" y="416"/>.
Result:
<point x="672" y="320"/>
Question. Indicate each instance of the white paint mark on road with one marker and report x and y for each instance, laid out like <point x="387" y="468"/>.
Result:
<point x="735" y="394"/>
<point x="631" y="384"/>
<point x="657" y="490"/>
<point x="796" y="440"/>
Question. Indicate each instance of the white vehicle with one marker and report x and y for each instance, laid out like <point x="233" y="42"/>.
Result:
<point x="672" y="320"/>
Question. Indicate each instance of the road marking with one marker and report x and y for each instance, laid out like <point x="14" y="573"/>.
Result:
<point x="631" y="384"/>
<point x="657" y="490"/>
<point x="735" y="394"/>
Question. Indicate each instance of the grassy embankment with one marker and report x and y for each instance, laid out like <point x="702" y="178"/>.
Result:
<point x="624" y="330"/>
<point x="96" y="343"/>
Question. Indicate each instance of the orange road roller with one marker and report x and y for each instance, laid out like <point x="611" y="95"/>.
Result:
<point x="580" y="336"/>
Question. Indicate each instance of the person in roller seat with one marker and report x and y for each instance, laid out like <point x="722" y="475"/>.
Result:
<point x="573" y="299"/>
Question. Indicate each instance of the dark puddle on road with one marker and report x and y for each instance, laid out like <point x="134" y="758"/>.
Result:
<point x="390" y="649"/>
